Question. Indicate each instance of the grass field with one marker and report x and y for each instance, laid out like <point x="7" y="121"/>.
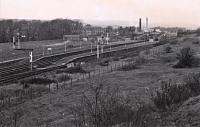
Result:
<point x="53" y="109"/>
<point x="58" y="46"/>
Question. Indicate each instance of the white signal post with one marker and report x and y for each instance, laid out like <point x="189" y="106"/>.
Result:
<point x="97" y="51"/>
<point x="102" y="48"/>
<point x="18" y="38"/>
<point x="13" y="42"/>
<point x="31" y="59"/>
<point x="43" y="51"/>
<point x="91" y="47"/>
<point x="107" y="39"/>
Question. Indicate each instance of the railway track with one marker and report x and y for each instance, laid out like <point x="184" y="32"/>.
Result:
<point x="69" y="57"/>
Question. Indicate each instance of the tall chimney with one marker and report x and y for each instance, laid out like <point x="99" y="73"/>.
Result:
<point x="140" y="25"/>
<point x="147" y="23"/>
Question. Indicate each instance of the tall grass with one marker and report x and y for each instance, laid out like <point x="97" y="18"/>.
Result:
<point x="105" y="107"/>
<point x="171" y="94"/>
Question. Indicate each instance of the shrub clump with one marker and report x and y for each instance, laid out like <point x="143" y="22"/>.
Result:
<point x="169" y="94"/>
<point x="128" y="67"/>
<point x="168" y="49"/>
<point x="172" y="94"/>
<point x="72" y="70"/>
<point x="195" y="42"/>
<point x="63" y="78"/>
<point x="140" y="60"/>
<point x="116" y="58"/>
<point x="104" y="62"/>
<point x="192" y="82"/>
<point x="173" y="41"/>
<point x="37" y="80"/>
<point x="186" y="58"/>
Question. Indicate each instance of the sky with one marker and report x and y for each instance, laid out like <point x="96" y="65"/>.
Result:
<point x="171" y="13"/>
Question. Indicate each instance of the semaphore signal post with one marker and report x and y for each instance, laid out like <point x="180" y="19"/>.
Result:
<point x="17" y="46"/>
<point x="101" y="42"/>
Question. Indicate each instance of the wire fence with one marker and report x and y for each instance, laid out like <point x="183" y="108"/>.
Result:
<point x="9" y="99"/>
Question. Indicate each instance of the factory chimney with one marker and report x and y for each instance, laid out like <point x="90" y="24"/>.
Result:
<point x="147" y="23"/>
<point x="140" y="25"/>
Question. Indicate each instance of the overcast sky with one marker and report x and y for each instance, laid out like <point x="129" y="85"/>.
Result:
<point x="160" y="12"/>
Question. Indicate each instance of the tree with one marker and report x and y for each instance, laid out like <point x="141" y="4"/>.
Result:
<point x="36" y="30"/>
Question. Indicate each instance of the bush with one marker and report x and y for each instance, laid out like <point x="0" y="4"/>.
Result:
<point x="104" y="62"/>
<point x="140" y="60"/>
<point x="186" y="58"/>
<point x="170" y="94"/>
<point x="63" y="78"/>
<point x="192" y="81"/>
<point x="128" y="67"/>
<point x="72" y="70"/>
<point x="116" y="58"/>
<point x="195" y="42"/>
<point x="37" y="80"/>
<point x="173" y="41"/>
<point x="70" y="46"/>
<point x="168" y="49"/>
<point x="164" y="39"/>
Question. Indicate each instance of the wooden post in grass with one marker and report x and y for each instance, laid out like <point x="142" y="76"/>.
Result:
<point x="71" y="81"/>
<point x="77" y="76"/>
<point x="9" y="101"/>
<point x="83" y="76"/>
<point x="89" y="75"/>
<point x="49" y="87"/>
<point x="21" y="97"/>
<point x="57" y="85"/>
<point x="31" y="92"/>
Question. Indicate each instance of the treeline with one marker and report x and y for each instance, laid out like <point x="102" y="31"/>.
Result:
<point x="198" y="31"/>
<point x="35" y="30"/>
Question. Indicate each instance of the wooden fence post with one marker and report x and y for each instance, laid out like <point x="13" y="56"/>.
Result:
<point x="49" y="87"/>
<point x="31" y="92"/>
<point x="9" y="101"/>
<point x="57" y="85"/>
<point x="71" y="81"/>
<point x="89" y="75"/>
<point x="21" y="96"/>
